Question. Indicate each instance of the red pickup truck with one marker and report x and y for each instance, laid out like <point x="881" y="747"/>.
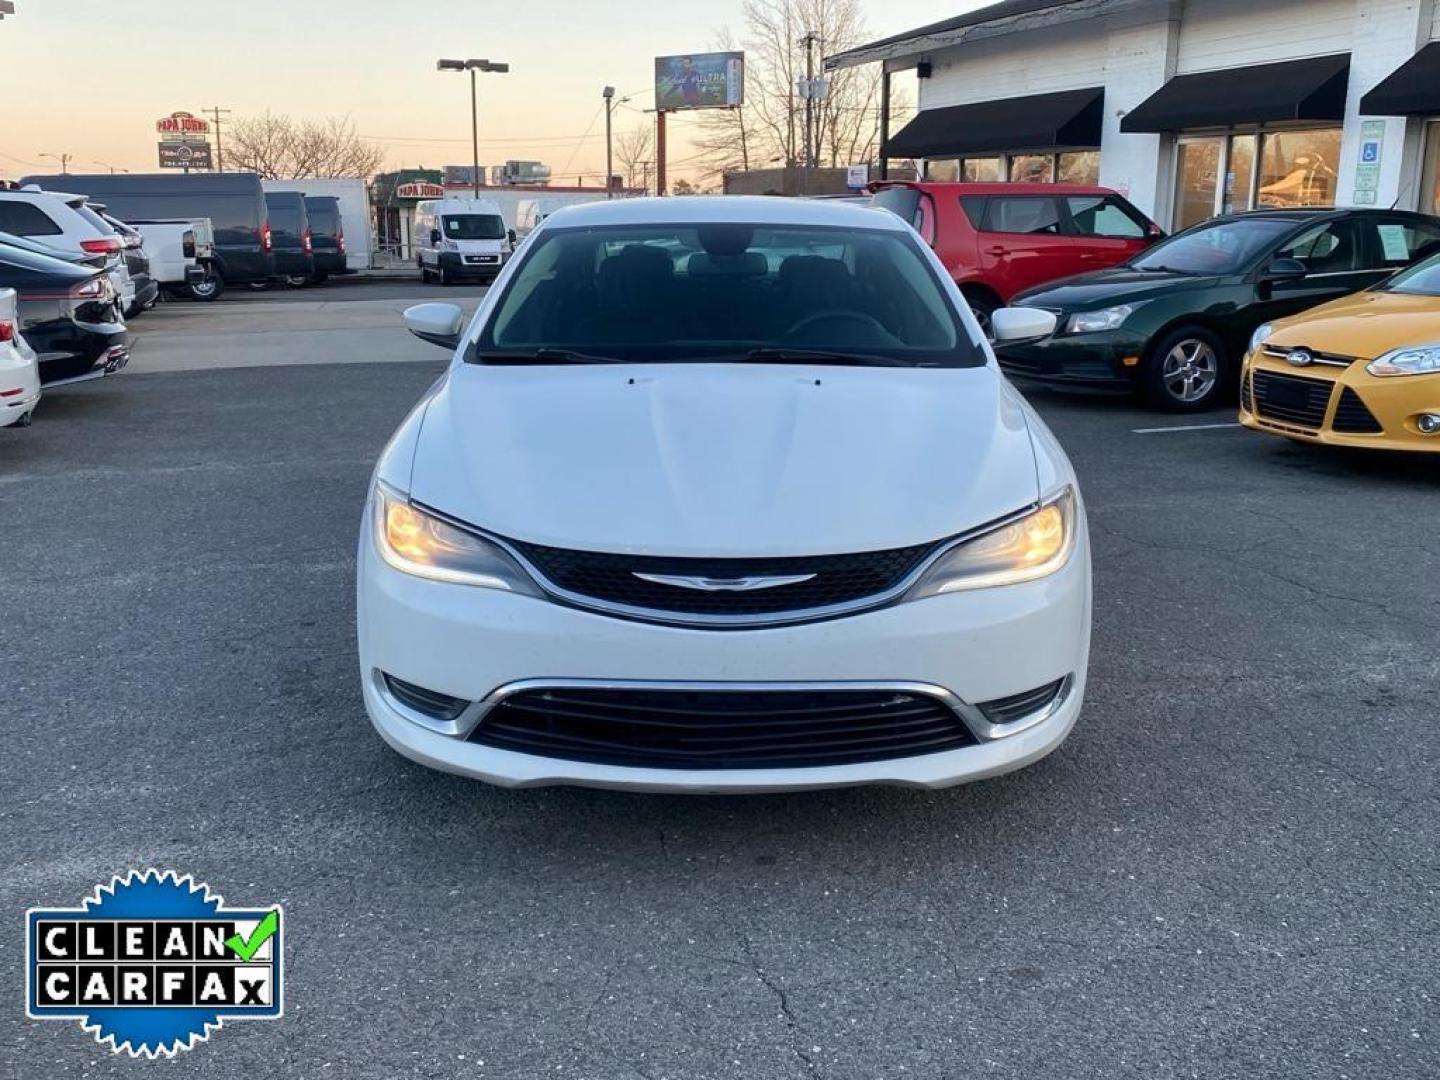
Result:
<point x="998" y="239"/>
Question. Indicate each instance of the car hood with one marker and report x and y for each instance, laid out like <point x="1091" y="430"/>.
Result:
<point x="724" y="459"/>
<point x="1366" y="325"/>
<point x="1102" y="288"/>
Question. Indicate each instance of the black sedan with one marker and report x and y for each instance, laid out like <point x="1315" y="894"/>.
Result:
<point x="69" y="314"/>
<point x="1175" y="322"/>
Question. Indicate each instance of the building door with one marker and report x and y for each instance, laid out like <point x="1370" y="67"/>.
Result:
<point x="1197" y="179"/>
<point x="1430" y="184"/>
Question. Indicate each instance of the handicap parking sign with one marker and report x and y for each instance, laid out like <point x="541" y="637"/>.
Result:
<point x="1370" y="152"/>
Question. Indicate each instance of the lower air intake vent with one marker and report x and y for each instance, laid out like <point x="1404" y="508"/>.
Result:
<point x="1006" y="710"/>
<point x="1353" y="418"/>
<point x="721" y="729"/>
<point x="430" y="702"/>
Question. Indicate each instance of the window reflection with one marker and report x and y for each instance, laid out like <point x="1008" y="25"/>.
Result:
<point x="1297" y="168"/>
<point x="1032" y="168"/>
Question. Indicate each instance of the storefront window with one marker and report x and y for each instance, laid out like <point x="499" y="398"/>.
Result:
<point x="1082" y="167"/>
<point x="982" y="170"/>
<point x="1197" y="172"/>
<point x="1297" y="168"/>
<point x="1239" y="173"/>
<point x="942" y="170"/>
<point x="1032" y="168"/>
<point x="1430" y="185"/>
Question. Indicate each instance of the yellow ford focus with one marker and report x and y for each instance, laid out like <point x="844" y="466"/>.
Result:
<point x="1361" y="371"/>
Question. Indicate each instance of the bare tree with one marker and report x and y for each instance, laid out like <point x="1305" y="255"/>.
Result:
<point x="633" y="148"/>
<point x="278" y="147"/>
<point x="770" y="128"/>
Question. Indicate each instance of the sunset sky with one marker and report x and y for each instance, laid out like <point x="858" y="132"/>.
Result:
<point x="90" y="77"/>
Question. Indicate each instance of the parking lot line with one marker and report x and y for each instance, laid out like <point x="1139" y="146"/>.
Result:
<point x="1181" y="427"/>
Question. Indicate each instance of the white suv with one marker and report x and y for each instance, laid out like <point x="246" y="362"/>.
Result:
<point x="64" y="221"/>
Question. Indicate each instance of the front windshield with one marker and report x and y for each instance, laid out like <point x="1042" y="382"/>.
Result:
<point x="1221" y="247"/>
<point x="474" y="227"/>
<point x="675" y="293"/>
<point x="1422" y="279"/>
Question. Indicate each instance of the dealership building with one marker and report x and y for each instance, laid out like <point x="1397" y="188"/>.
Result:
<point x="1190" y="107"/>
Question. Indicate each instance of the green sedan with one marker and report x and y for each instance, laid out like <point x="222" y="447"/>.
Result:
<point x="1174" y="323"/>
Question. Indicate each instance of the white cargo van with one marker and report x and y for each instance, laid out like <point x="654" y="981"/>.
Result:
<point x="458" y="238"/>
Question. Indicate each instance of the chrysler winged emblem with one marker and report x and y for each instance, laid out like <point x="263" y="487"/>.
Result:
<point x="713" y="584"/>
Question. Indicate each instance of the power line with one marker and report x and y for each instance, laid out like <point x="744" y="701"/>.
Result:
<point x="588" y="128"/>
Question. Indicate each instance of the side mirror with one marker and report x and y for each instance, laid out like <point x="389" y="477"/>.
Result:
<point x="434" y="236"/>
<point x="511" y="235"/>
<point x="439" y="324"/>
<point x="1285" y="270"/>
<point x="1022" y="324"/>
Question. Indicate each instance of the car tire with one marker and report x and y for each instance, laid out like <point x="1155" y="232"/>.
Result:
<point x="297" y="281"/>
<point x="206" y="289"/>
<point x="983" y="304"/>
<point x="425" y="274"/>
<point x="26" y="420"/>
<point x="260" y="286"/>
<point x="446" y="277"/>
<point x="1187" y="370"/>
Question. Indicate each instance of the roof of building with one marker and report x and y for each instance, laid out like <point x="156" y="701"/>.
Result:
<point x="1005" y="9"/>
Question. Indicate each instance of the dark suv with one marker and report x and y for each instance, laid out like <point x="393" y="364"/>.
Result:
<point x="997" y="239"/>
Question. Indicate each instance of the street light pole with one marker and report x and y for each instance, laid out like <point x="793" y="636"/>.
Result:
<point x="63" y="159"/>
<point x="609" y="95"/>
<point x="474" y="137"/>
<point x="473" y="66"/>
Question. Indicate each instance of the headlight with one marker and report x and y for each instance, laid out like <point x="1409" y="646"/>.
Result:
<point x="1032" y="547"/>
<point x="1260" y="336"/>
<point x="449" y="245"/>
<point x="1419" y="360"/>
<point x="415" y="542"/>
<point x="1092" y="322"/>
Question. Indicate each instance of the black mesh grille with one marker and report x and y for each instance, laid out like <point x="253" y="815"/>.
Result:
<point x="838" y="579"/>
<point x="1247" y="403"/>
<point x="722" y="729"/>
<point x="1291" y="399"/>
<point x="1353" y="418"/>
<point x="430" y="702"/>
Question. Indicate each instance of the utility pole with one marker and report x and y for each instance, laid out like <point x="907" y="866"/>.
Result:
<point x="609" y="95"/>
<point x="645" y="173"/>
<point x="215" y="113"/>
<point x="809" y="41"/>
<point x="113" y="168"/>
<point x="63" y="159"/>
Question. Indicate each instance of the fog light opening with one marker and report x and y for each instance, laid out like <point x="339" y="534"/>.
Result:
<point x="1428" y="423"/>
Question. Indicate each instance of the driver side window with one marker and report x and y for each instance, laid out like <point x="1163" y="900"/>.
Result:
<point x="1332" y="248"/>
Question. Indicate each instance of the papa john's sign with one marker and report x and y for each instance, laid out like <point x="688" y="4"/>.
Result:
<point x="182" y="123"/>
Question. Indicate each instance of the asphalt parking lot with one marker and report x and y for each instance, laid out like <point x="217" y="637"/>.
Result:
<point x="1229" y="870"/>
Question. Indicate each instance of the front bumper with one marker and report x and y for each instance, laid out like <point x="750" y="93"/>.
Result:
<point x="472" y="643"/>
<point x="1348" y="406"/>
<point x="463" y="265"/>
<point x="1093" y="360"/>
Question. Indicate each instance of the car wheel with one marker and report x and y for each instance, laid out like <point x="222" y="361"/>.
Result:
<point x="297" y="281"/>
<point x="26" y="420"/>
<point x="983" y="305"/>
<point x="1187" y="371"/>
<point x="425" y="274"/>
<point x="208" y="288"/>
<point x="446" y="277"/>
<point x="260" y="286"/>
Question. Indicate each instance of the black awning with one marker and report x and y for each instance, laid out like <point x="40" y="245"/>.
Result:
<point x="1312" y="89"/>
<point x="1412" y="89"/>
<point x="1069" y="119"/>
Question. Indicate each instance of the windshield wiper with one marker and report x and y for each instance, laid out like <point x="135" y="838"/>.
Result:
<point x="1163" y="270"/>
<point x="781" y="355"/>
<point x="546" y="356"/>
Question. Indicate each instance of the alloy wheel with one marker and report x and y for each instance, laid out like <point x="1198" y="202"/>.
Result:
<point x="1190" y="370"/>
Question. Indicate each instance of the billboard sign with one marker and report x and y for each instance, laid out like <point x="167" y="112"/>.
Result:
<point x="700" y="81"/>
<point x="185" y="155"/>
<point x="182" y="123"/>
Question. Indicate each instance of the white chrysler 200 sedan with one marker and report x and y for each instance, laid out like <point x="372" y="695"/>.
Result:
<point x="723" y="494"/>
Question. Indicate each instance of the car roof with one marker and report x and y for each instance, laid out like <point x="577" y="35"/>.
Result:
<point x="45" y="264"/>
<point x="723" y="209"/>
<point x="1000" y="187"/>
<point x="1301" y="214"/>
